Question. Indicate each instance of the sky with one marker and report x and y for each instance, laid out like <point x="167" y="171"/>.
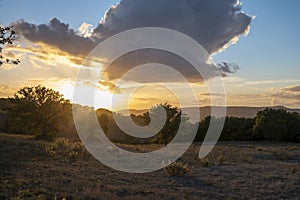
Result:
<point x="268" y="56"/>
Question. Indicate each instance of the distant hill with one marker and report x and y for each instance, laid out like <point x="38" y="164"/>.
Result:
<point x="234" y="111"/>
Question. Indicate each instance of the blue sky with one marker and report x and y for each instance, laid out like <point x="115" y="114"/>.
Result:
<point x="269" y="53"/>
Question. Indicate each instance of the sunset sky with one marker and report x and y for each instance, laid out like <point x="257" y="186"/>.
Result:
<point x="51" y="53"/>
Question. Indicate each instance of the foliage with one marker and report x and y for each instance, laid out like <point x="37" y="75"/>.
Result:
<point x="237" y="129"/>
<point x="7" y="36"/>
<point x="174" y="118"/>
<point x="234" y="129"/>
<point x="65" y="149"/>
<point x="177" y="169"/>
<point x="40" y="111"/>
<point x="269" y="124"/>
<point x="278" y="125"/>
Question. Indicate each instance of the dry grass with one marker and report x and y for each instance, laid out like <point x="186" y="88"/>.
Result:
<point x="27" y="171"/>
<point x="282" y="156"/>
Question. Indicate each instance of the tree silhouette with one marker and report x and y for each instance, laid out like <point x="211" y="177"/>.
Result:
<point x="174" y="118"/>
<point x="7" y="37"/>
<point x="277" y="124"/>
<point x="40" y="111"/>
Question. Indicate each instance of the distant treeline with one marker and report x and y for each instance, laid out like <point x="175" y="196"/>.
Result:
<point x="269" y="124"/>
<point x="51" y="117"/>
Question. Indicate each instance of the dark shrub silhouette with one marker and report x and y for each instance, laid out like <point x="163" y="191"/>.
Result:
<point x="39" y="111"/>
<point x="278" y="125"/>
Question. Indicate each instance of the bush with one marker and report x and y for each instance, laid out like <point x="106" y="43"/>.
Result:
<point x="205" y="162"/>
<point x="66" y="149"/>
<point x="39" y="111"/>
<point x="221" y="159"/>
<point x="278" y="125"/>
<point x="281" y="156"/>
<point x="177" y="169"/>
<point x="246" y="159"/>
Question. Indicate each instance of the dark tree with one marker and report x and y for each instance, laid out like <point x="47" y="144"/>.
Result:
<point x="202" y="128"/>
<point x="174" y="118"/>
<point x="7" y="37"/>
<point x="39" y="111"/>
<point x="237" y="129"/>
<point x="277" y="124"/>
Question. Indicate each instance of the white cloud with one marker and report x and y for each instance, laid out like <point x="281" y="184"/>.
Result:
<point x="86" y="29"/>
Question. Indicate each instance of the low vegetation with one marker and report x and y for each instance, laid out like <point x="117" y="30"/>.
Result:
<point x="205" y="162"/>
<point x="65" y="149"/>
<point x="31" y="169"/>
<point x="177" y="169"/>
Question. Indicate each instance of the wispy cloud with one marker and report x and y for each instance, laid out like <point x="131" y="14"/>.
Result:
<point x="290" y="92"/>
<point x="272" y="82"/>
<point x="6" y="91"/>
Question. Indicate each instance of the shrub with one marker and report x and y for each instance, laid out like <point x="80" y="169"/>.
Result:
<point x="259" y="149"/>
<point x="246" y="159"/>
<point x="293" y="168"/>
<point x="278" y="125"/>
<point x="72" y="157"/>
<point x="66" y="149"/>
<point x="177" y="169"/>
<point x="221" y="159"/>
<point x="39" y="111"/>
<point x="281" y="156"/>
<point x="205" y="162"/>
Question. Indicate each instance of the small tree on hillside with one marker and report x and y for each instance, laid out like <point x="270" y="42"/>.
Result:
<point x="40" y="111"/>
<point x="7" y="36"/>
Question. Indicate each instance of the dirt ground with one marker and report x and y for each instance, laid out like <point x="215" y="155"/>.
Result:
<point x="236" y="170"/>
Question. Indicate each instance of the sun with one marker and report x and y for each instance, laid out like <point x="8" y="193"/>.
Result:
<point x="102" y="98"/>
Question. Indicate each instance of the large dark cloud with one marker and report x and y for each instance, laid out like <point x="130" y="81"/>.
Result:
<point x="213" y="23"/>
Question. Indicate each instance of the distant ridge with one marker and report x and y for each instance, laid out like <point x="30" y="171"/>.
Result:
<point x="233" y="111"/>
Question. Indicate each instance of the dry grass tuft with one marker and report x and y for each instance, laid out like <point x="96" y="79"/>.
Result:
<point x="246" y="159"/>
<point x="66" y="149"/>
<point x="177" y="169"/>
<point x="221" y="159"/>
<point x="205" y="162"/>
<point x="282" y="156"/>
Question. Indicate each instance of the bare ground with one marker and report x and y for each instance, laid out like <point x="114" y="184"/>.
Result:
<point x="251" y="170"/>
